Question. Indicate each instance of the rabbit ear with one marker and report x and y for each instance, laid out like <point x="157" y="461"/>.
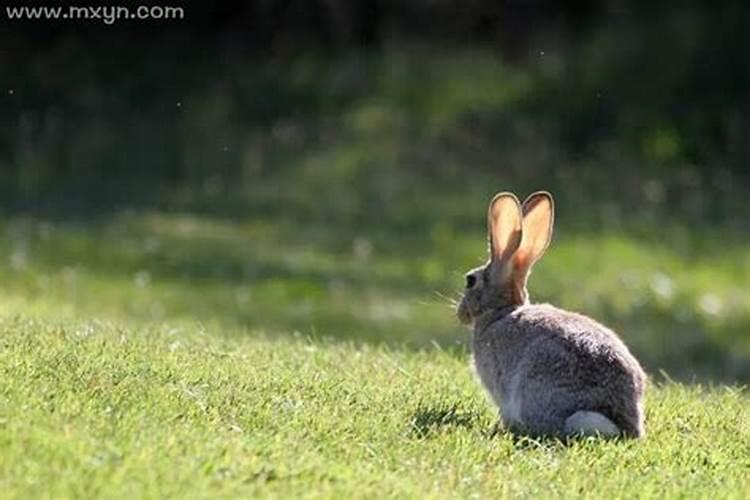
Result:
<point x="538" y="218"/>
<point x="504" y="227"/>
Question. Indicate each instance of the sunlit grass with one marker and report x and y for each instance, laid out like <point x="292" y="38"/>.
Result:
<point x="95" y="409"/>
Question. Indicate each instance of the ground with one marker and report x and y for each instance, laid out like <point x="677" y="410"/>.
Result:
<point x="101" y="410"/>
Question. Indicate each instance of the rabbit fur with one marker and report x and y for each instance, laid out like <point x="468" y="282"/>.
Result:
<point x="552" y="372"/>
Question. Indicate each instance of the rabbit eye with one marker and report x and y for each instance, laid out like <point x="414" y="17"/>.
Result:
<point x="471" y="280"/>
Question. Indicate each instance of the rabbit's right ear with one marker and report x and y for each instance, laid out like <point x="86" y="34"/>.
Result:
<point x="504" y="226"/>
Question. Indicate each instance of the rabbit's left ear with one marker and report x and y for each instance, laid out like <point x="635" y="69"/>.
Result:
<point x="538" y="219"/>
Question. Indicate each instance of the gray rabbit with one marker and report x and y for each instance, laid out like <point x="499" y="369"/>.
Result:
<point x="551" y="372"/>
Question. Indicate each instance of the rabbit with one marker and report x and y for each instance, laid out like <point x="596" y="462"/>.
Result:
<point x="552" y="372"/>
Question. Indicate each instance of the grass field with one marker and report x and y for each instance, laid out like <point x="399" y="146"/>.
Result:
<point x="99" y="410"/>
<point x="165" y="354"/>
<point x="289" y="332"/>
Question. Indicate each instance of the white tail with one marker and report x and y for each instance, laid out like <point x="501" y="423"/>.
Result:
<point x="590" y="423"/>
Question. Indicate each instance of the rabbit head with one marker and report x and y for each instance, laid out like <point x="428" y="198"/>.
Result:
<point x="518" y="236"/>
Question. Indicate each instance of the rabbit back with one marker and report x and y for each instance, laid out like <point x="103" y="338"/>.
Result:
<point x="542" y="365"/>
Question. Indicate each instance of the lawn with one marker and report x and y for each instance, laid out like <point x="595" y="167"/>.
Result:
<point x="284" y="326"/>
<point x="101" y="410"/>
<point x="181" y="354"/>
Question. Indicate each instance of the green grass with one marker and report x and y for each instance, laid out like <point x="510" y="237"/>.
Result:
<point x="98" y="410"/>
<point x="683" y="309"/>
<point x="280" y="324"/>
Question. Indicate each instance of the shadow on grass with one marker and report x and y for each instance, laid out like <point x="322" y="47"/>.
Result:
<point x="428" y="420"/>
<point x="525" y="442"/>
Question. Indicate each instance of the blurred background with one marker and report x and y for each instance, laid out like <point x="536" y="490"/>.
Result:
<point x="322" y="168"/>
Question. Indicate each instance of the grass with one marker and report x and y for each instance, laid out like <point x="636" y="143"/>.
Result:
<point x="183" y="354"/>
<point x="683" y="309"/>
<point x="98" y="410"/>
<point x="280" y="325"/>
